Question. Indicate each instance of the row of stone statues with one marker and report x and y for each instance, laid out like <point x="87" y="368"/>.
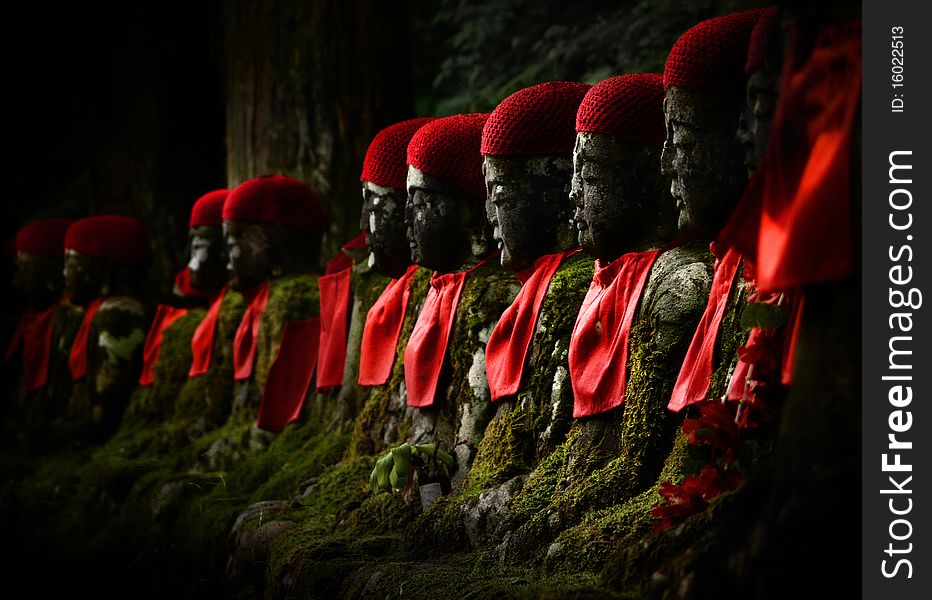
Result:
<point x="570" y="315"/>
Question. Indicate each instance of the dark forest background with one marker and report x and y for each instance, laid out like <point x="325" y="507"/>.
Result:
<point x="140" y="109"/>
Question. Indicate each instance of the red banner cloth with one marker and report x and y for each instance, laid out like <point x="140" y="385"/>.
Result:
<point x="383" y="326"/>
<point x="334" y="325"/>
<point x="77" y="360"/>
<point x="34" y="333"/>
<point x="598" y="357"/>
<point x="289" y="375"/>
<point x="164" y="316"/>
<point x="247" y="334"/>
<point x="427" y="348"/>
<point x="202" y="342"/>
<point x="506" y="352"/>
<point x="692" y="383"/>
<point x="794" y="221"/>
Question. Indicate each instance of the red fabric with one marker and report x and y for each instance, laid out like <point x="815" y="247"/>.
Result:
<point x="628" y="107"/>
<point x="711" y="55"/>
<point x="184" y="288"/>
<point x="357" y="243"/>
<point x="386" y="161"/>
<point x="340" y="262"/>
<point x="34" y="334"/>
<point x="77" y="359"/>
<point x="43" y="238"/>
<point x="692" y="383"/>
<point x="121" y="239"/>
<point x="202" y="342"/>
<point x="208" y="209"/>
<point x="534" y="121"/>
<point x="760" y="36"/>
<point x="334" y="324"/>
<point x="797" y="307"/>
<point x="598" y="357"/>
<point x="448" y="149"/>
<point x="289" y="375"/>
<point x="247" y="334"/>
<point x="506" y="351"/>
<point x="382" y="328"/>
<point x="794" y="220"/>
<point x="164" y="316"/>
<point x="427" y="348"/>
<point x="275" y="199"/>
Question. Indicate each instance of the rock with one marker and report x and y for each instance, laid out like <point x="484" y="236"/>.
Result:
<point x="483" y="517"/>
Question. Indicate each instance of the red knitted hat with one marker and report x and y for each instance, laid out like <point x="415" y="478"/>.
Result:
<point x="275" y="199"/>
<point x="121" y="239"/>
<point x="386" y="162"/>
<point x="43" y="238"/>
<point x="534" y="121"/>
<point x="711" y="55"/>
<point x="628" y="107"/>
<point x="757" y="46"/>
<point x="449" y="149"/>
<point x="208" y="209"/>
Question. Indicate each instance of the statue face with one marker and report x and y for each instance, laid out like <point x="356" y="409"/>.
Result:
<point x="754" y="128"/>
<point x="527" y="203"/>
<point x="38" y="278"/>
<point x="702" y="157"/>
<point x="619" y="196"/>
<point x="383" y="216"/>
<point x="84" y="276"/>
<point x="249" y="254"/>
<point x="208" y="263"/>
<point x="438" y="219"/>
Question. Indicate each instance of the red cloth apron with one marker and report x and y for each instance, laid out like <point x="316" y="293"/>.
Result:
<point x="202" y="342"/>
<point x="692" y="383"/>
<point x="77" y="360"/>
<point x="247" y="334"/>
<point x="506" y="352"/>
<point x="334" y="325"/>
<point x="34" y="333"/>
<point x="289" y="375"/>
<point x="598" y="356"/>
<point x="184" y="288"/>
<point x="427" y="349"/>
<point x="164" y="316"/>
<point x="383" y="326"/>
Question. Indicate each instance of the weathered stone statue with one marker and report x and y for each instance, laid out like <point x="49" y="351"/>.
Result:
<point x="105" y="259"/>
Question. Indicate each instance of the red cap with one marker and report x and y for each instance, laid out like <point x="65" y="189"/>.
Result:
<point x="121" y="239"/>
<point x="757" y="46"/>
<point x="43" y="238"/>
<point x="628" y="107"/>
<point x="534" y="121"/>
<point x="275" y="199"/>
<point x="449" y="149"/>
<point x="208" y="209"/>
<point x="386" y="162"/>
<point x="711" y="55"/>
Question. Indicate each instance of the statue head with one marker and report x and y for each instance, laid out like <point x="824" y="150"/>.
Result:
<point x="622" y="203"/>
<point x="105" y="255"/>
<point x="705" y="96"/>
<point x="272" y="227"/>
<point x="384" y="194"/>
<point x="207" y="262"/>
<point x="763" y="71"/>
<point x="39" y="261"/>
<point x="527" y="145"/>
<point x="445" y="214"/>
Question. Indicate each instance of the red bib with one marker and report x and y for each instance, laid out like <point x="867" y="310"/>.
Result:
<point x="334" y="324"/>
<point x="35" y="334"/>
<point x="692" y="383"/>
<point x="77" y="360"/>
<point x="794" y="221"/>
<point x="202" y="342"/>
<point x="506" y="352"/>
<point x="184" y="288"/>
<point x="383" y="326"/>
<point x="289" y="375"/>
<point x="247" y="334"/>
<point x="427" y="348"/>
<point x="164" y="316"/>
<point x="598" y="357"/>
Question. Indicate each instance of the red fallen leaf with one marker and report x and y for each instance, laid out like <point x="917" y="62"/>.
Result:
<point x="715" y="427"/>
<point x="692" y="496"/>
